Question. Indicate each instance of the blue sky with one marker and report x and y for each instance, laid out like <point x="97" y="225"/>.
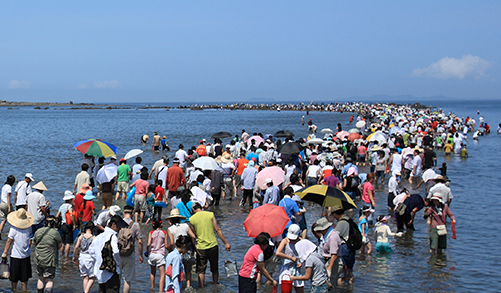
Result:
<point x="169" y="51"/>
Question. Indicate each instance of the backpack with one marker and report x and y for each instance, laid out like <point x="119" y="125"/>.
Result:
<point x="354" y="241"/>
<point x="126" y="241"/>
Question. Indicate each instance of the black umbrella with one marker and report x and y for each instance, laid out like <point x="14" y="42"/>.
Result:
<point x="222" y="134"/>
<point x="290" y="148"/>
<point x="284" y="133"/>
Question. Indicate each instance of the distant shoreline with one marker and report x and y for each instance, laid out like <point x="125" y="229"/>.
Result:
<point x="330" y="107"/>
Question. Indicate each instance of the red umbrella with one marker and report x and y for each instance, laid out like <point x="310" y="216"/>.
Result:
<point x="275" y="173"/>
<point x="268" y="218"/>
<point x="354" y="136"/>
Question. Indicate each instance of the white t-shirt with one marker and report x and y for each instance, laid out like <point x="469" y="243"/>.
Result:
<point x="313" y="171"/>
<point x="35" y="200"/>
<point x="6" y="189"/>
<point x="21" y="246"/>
<point x="162" y="174"/>
<point x="22" y="189"/>
<point x="136" y="169"/>
<point x="181" y="155"/>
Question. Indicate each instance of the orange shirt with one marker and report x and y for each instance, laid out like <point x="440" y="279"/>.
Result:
<point x="202" y="150"/>
<point x="241" y="166"/>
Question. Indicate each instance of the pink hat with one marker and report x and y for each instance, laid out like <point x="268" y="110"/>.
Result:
<point x="351" y="171"/>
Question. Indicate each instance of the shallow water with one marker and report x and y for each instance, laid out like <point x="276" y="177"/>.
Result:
<point x="40" y="141"/>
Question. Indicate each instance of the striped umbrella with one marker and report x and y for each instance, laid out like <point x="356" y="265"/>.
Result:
<point x="96" y="148"/>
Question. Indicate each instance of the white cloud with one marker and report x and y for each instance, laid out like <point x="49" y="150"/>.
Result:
<point x="107" y="84"/>
<point x="82" y="86"/>
<point x="448" y="67"/>
<point x="18" y="84"/>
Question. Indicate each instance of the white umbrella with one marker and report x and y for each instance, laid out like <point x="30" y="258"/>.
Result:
<point x="106" y="173"/>
<point x="315" y="141"/>
<point x="132" y="153"/>
<point x="354" y="130"/>
<point x="205" y="163"/>
<point x="379" y="136"/>
<point x="327" y="130"/>
<point x="360" y="124"/>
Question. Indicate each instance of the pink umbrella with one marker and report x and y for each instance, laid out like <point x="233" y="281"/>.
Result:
<point x="275" y="173"/>
<point x="342" y="134"/>
<point x="258" y="139"/>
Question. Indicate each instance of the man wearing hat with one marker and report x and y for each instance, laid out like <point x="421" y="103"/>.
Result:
<point x="228" y="172"/>
<point x="23" y="188"/>
<point x="174" y="178"/>
<point x="330" y="248"/>
<point x="128" y="262"/>
<point x="343" y="229"/>
<point x="442" y="190"/>
<point x="272" y="194"/>
<point x="109" y="280"/>
<point x="36" y="206"/>
<point x="104" y="216"/>
<point x="202" y="149"/>
<point x="19" y="239"/>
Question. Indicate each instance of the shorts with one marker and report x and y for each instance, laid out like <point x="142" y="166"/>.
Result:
<point x="123" y="186"/>
<point x="156" y="259"/>
<point x="380" y="173"/>
<point x="140" y="204"/>
<point x="86" y="265"/>
<point x="238" y="180"/>
<point x="383" y="247"/>
<point x="204" y="255"/>
<point x="4" y="210"/>
<point x="20" y="269"/>
<point x="437" y="241"/>
<point x="228" y="184"/>
<point x="324" y="288"/>
<point x="361" y="158"/>
<point x="107" y="199"/>
<point x="128" y="268"/>
<point x="246" y="285"/>
<point x="46" y="272"/>
<point x="67" y="233"/>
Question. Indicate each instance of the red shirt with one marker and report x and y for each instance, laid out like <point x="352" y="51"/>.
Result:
<point x="241" y="166"/>
<point x="77" y="203"/>
<point x="174" y="178"/>
<point x="87" y="212"/>
<point x="159" y="193"/>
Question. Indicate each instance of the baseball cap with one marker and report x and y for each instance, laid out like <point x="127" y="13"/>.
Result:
<point x="293" y="232"/>
<point x="29" y="175"/>
<point x="269" y="180"/>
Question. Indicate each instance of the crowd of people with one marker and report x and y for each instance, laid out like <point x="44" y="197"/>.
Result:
<point x="394" y="144"/>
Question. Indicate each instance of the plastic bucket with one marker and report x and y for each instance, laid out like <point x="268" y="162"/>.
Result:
<point x="286" y="286"/>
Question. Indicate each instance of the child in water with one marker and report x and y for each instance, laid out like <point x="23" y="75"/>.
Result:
<point x="382" y="232"/>
<point x="85" y="260"/>
<point x="157" y="242"/>
<point x="363" y="226"/>
<point x="175" y="269"/>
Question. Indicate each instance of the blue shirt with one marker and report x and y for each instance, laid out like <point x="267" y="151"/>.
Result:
<point x="346" y="167"/>
<point x="271" y="195"/>
<point x="248" y="177"/>
<point x="185" y="210"/>
<point x="175" y="260"/>
<point x="290" y="207"/>
<point x="250" y="156"/>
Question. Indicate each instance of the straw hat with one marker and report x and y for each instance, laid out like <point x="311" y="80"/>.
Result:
<point x="226" y="158"/>
<point x="20" y="219"/>
<point x="376" y="148"/>
<point x="40" y="186"/>
<point x="174" y="213"/>
<point x="218" y="159"/>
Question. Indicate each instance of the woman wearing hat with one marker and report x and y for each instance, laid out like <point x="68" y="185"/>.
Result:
<point x="65" y="213"/>
<point x="19" y="240"/>
<point x="176" y="230"/>
<point x="438" y="212"/>
<point x="287" y="251"/>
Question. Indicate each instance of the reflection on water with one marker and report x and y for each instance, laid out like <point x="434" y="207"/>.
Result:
<point x="40" y="142"/>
